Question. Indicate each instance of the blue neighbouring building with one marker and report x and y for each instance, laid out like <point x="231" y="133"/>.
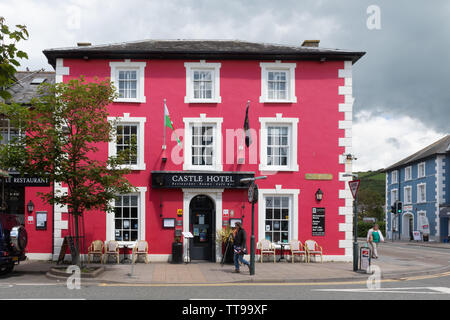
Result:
<point x="422" y="182"/>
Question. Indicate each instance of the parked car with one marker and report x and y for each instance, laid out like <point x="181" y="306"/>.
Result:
<point x="13" y="241"/>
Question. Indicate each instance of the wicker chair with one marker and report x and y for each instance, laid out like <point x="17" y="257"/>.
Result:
<point x="266" y="247"/>
<point x="96" y="248"/>
<point x="297" y="247"/>
<point x="313" y="249"/>
<point x="112" y="249"/>
<point x="140" y="249"/>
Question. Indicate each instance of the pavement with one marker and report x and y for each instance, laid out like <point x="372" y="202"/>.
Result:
<point x="397" y="260"/>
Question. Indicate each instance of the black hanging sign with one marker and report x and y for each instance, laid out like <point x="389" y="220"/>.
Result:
<point x="181" y="179"/>
<point x="318" y="221"/>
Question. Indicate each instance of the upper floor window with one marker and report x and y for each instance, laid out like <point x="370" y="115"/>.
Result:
<point x="408" y="173"/>
<point x="202" y="82"/>
<point x="203" y="144"/>
<point x="408" y="194"/>
<point x="421" y="170"/>
<point x="421" y="193"/>
<point x="394" y="176"/>
<point x="394" y="196"/>
<point x="128" y="77"/>
<point x="278" y="150"/>
<point x="277" y="82"/>
<point x="8" y="132"/>
<point x="128" y="141"/>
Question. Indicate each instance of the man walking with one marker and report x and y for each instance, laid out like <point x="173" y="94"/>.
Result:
<point x="374" y="237"/>
<point x="240" y="247"/>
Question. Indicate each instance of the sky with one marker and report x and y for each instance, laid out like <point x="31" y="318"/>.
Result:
<point x="401" y="86"/>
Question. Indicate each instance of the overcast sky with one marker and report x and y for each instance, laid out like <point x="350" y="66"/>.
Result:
<point x="401" y="86"/>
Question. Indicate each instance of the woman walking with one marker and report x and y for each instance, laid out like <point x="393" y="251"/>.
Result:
<point x="240" y="247"/>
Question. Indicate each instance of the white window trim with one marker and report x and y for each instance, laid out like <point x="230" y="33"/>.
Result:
<point x="424" y="170"/>
<point x="393" y="199"/>
<point x="128" y="65"/>
<point x="202" y="65"/>
<point x="112" y="150"/>
<point x="278" y="120"/>
<point x="396" y="176"/>
<point x="404" y="194"/>
<point x="293" y="223"/>
<point x="110" y="227"/>
<point x="419" y="200"/>
<point x="277" y="66"/>
<point x="217" y="163"/>
<point x="409" y="168"/>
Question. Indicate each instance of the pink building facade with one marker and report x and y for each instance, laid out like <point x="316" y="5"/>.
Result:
<point x="300" y="116"/>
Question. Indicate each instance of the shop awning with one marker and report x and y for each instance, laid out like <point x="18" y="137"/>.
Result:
<point x="444" y="211"/>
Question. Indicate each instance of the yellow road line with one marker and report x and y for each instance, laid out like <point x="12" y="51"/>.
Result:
<point x="251" y="284"/>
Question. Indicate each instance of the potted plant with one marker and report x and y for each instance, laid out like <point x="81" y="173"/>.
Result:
<point x="223" y="238"/>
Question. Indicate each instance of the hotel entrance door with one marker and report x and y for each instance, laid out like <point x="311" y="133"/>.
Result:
<point x="202" y="226"/>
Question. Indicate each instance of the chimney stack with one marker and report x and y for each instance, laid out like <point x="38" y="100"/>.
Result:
<point x="84" y="44"/>
<point x="311" y="43"/>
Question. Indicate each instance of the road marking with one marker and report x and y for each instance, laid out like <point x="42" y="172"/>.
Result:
<point x="435" y="290"/>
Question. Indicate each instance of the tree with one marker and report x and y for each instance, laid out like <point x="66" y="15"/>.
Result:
<point x="9" y="55"/>
<point x="370" y="204"/>
<point x="63" y="129"/>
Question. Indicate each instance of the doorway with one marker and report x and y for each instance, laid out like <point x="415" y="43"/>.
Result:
<point x="408" y="226"/>
<point x="202" y="226"/>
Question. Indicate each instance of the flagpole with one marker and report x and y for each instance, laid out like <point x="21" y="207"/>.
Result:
<point x="164" y="125"/>
<point x="164" y="155"/>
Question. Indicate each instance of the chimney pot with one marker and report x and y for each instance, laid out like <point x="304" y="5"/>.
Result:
<point x="311" y="43"/>
<point x="84" y="44"/>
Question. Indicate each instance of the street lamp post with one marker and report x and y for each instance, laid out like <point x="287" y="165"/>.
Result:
<point x="253" y="198"/>
<point x="355" y="225"/>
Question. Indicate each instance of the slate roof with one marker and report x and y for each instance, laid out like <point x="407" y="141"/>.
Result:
<point x="441" y="146"/>
<point x="200" y="49"/>
<point x="23" y="90"/>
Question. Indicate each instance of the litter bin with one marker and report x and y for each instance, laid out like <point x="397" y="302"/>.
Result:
<point x="365" y="254"/>
<point x="177" y="252"/>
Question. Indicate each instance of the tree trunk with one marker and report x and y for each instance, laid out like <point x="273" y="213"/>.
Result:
<point x="77" y="260"/>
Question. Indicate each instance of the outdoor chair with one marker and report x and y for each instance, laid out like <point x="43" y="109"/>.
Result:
<point x="112" y="249"/>
<point x="140" y="249"/>
<point x="297" y="247"/>
<point x="313" y="249"/>
<point x="95" y="249"/>
<point x="266" y="247"/>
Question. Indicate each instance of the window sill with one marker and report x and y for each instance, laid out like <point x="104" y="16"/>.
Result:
<point x="274" y="168"/>
<point x="264" y="100"/>
<point x="131" y="167"/>
<point x="203" y="168"/>
<point x="137" y="100"/>
<point x="190" y="100"/>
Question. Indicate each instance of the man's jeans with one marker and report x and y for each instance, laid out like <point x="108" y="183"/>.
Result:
<point x="239" y="257"/>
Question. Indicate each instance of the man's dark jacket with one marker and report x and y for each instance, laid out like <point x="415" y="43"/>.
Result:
<point x="240" y="240"/>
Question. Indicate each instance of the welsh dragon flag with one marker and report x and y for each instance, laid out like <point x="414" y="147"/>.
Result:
<point x="168" y="122"/>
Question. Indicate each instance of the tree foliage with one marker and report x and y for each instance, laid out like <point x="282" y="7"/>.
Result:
<point x="9" y="55"/>
<point x="64" y="128"/>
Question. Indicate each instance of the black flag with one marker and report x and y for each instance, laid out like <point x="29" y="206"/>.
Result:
<point x="248" y="139"/>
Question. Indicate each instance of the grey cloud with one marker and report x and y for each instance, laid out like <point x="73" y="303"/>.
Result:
<point x="405" y="72"/>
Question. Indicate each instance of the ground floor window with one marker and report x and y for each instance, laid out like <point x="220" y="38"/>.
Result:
<point x="277" y="218"/>
<point x="126" y="218"/>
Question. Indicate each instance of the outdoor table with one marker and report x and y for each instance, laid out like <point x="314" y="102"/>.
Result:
<point x="282" y="245"/>
<point x="125" y="248"/>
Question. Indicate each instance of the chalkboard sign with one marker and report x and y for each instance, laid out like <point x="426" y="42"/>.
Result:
<point x="318" y="221"/>
<point x="67" y="243"/>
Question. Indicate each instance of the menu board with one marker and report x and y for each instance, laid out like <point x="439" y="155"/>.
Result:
<point x="318" y="221"/>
